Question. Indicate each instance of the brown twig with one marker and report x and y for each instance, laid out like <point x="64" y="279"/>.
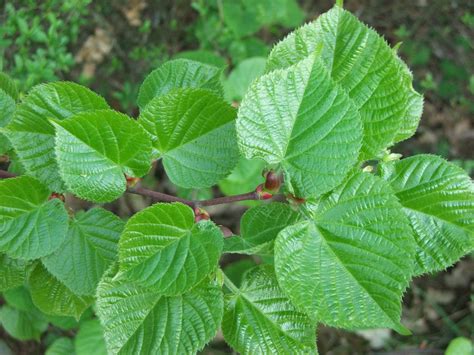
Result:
<point x="162" y="197"/>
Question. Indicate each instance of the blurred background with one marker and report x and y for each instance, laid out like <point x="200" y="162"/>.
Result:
<point x="110" y="46"/>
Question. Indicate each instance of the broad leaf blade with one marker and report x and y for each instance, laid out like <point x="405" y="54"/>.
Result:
<point x="89" y="250"/>
<point x="22" y="325"/>
<point x="363" y="64"/>
<point x="236" y="85"/>
<point x="32" y="135"/>
<point x="12" y="272"/>
<point x="95" y="149"/>
<point x="260" y="319"/>
<point x="90" y="339"/>
<point x="326" y="265"/>
<point x="260" y="226"/>
<point x="193" y="131"/>
<point x="30" y="225"/>
<point x="61" y="346"/>
<point x="9" y="86"/>
<point x="299" y="118"/>
<point x="162" y="248"/>
<point x="438" y="198"/>
<point x="53" y="297"/>
<point x="178" y="74"/>
<point x="139" y="321"/>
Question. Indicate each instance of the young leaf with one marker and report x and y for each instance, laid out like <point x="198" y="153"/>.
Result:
<point x="30" y="225"/>
<point x="327" y="265"/>
<point x="90" y="248"/>
<point x="178" y="74"/>
<point x="299" y="118"/>
<point x="61" y="346"/>
<point x="12" y="272"/>
<point x="438" y="198"/>
<point x="193" y="131"/>
<point x="363" y="64"/>
<point x="22" y="325"/>
<point x="53" y="297"/>
<point x="95" y="149"/>
<point x="260" y="319"/>
<point x="90" y="339"/>
<point x="139" y="321"/>
<point x="163" y="249"/>
<point x="260" y="226"/>
<point x="32" y="135"/>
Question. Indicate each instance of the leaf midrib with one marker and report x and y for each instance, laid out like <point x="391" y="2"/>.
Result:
<point x="278" y="329"/>
<point x="328" y="247"/>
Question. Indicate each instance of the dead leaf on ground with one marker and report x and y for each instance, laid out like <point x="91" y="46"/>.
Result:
<point x="93" y="51"/>
<point x="132" y="11"/>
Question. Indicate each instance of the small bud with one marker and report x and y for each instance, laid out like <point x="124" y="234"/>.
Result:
<point x="58" y="196"/>
<point x="272" y="181"/>
<point x="296" y="200"/>
<point x="200" y="215"/>
<point x="262" y="194"/>
<point x="132" y="181"/>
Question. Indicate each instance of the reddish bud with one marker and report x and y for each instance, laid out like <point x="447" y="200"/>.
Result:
<point x="297" y="200"/>
<point x="200" y="215"/>
<point x="58" y="196"/>
<point x="132" y="181"/>
<point x="272" y="181"/>
<point x="262" y="194"/>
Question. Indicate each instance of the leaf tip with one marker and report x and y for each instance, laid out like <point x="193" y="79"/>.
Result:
<point x="340" y="3"/>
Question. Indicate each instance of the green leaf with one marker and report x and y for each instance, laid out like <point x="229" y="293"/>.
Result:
<point x="61" y="346"/>
<point x="411" y="119"/>
<point x="438" y="198"/>
<point x="95" y="149"/>
<point x="260" y="319"/>
<point x="8" y="86"/>
<point x="8" y="108"/>
<point x="460" y="346"/>
<point x="245" y="177"/>
<point x="299" y="118"/>
<point x="203" y="56"/>
<point x="64" y="323"/>
<point x="193" y="131"/>
<point x="163" y="249"/>
<point x="239" y="18"/>
<point x="19" y="298"/>
<point x="177" y="74"/>
<point x="236" y="85"/>
<point x="30" y="225"/>
<point x="53" y="297"/>
<point x="32" y="135"/>
<point x="90" y="339"/>
<point x="12" y="272"/>
<point x="363" y="64"/>
<point x="139" y="321"/>
<point x="89" y="250"/>
<point x="260" y="226"/>
<point x="22" y="325"/>
<point x="349" y="266"/>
